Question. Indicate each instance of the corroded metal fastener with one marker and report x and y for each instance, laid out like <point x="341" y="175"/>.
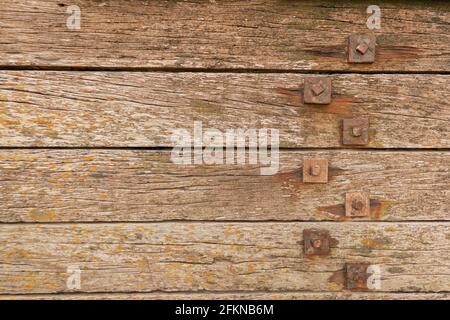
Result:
<point x="315" y="170"/>
<point x="356" y="275"/>
<point x="355" y="131"/>
<point x="357" y="204"/>
<point x="361" y="48"/>
<point x="317" y="90"/>
<point x="316" y="242"/>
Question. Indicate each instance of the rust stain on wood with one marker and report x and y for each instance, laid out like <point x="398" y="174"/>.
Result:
<point x="341" y="105"/>
<point x="397" y="53"/>
<point x="378" y="208"/>
<point x="295" y="95"/>
<point x="337" y="280"/>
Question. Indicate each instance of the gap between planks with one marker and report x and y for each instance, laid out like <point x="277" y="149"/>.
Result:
<point x="225" y="292"/>
<point x="207" y="70"/>
<point x="184" y="221"/>
<point x="281" y="149"/>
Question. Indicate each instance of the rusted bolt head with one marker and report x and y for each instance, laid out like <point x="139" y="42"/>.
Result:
<point x="357" y="204"/>
<point x="362" y="48"/>
<point x="314" y="170"/>
<point x="357" y="131"/>
<point x="317" y="89"/>
<point x="317" y="243"/>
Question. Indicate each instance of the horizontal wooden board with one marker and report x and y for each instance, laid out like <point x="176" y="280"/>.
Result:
<point x="412" y="257"/>
<point x="144" y="185"/>
<point x="348" y="295"/>
<point x="272" y="34"/>
<point x="133" y="109"/>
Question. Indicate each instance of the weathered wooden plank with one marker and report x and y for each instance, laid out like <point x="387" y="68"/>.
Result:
<point x="144" y="185"/>
<point x="303" y="35"/>
<point x="123" y="109"/>
<point x="412" y="257"/>
<point x="348" y="295"/>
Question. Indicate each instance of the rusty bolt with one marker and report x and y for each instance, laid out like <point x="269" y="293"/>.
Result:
<point x="362" y="48"/>
<point x="314" y="170"/>
<point x="356" y="274"/>
<point x="356" y="131"/>
<point x="317" y="243"/>
<point x="357" y="204"/>
<point x="317" y="89"/>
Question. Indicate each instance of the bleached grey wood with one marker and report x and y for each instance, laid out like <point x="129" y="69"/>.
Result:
<point x="128" y="109"/>
<point x="413" y="257"/>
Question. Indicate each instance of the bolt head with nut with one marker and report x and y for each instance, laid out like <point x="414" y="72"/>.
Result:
<point x="317" y="90"/>
<point x="315" y="170"/>
<point x="356" y="276"/>
<point x="361" y="48"/>
<point x="357" y="204"/>
<point x="316" y="242"/>
<point x="355" y="131"/>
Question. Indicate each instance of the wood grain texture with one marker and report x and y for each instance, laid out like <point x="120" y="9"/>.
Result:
<point x="348" y="295"/>
<point x="132" y="109"/>
<point x="413" y="257"/>
<point x="144" y="185"/>
<point x="303" y="35"/>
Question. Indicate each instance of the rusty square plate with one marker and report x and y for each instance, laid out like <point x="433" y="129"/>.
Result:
<point x="316" y="242"/>
<point x="361" y="48"/>
<point x="355" y="132"/>
<point x="357" y="275"/>
<point x="317" y="90"/>
<point x="315" y="170"/>
<point x="357" y="204"/>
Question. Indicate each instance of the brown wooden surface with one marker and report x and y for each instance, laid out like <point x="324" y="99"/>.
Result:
<point x="347" y="295"/>
<point x="133" y="185"/>
<point x="110" y="109"/>
<point x="300" y="35"/>
<point x="413" y="257"/>
<point x="78" y="186"/>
